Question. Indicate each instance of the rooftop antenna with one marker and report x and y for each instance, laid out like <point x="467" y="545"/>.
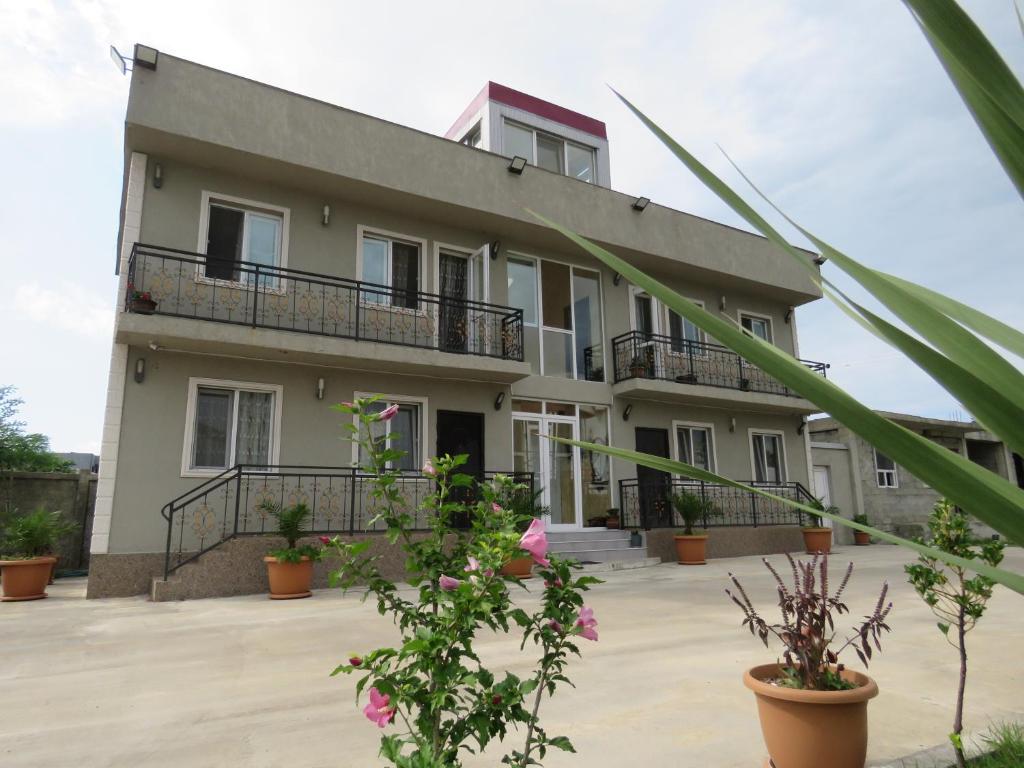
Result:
<point x="119" y="61"/>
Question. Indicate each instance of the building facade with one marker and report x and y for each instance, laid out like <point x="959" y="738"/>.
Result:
<point x="278" y="254"/>
<point x="859" y="479"/>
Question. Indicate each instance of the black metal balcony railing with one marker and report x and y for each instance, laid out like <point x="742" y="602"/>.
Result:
<point x="265" y="296"/>
<point x="646" y="505"/>
<point x="237" y="503"/>
<point x="651" y="356"/>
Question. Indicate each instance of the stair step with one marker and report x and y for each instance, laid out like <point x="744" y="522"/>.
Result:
<point x="586" y="533"/>
<point x="621" y="565"/>
<point x="583" y="546"/>
<point x="608" y="555"/>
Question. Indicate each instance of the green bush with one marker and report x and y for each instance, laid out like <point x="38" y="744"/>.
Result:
<point x="35" y="534"/>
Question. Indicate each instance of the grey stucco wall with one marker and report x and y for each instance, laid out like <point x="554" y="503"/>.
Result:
<point x="841" y="485"/>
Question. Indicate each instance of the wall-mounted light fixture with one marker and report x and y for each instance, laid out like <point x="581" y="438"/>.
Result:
<point x="625" y="413"/>
<point x="145" y="56"/>
<point x="495" y="247"/>
<point x="789" y="314"/>
<point x="516" y="165"/>
<point x="499" y="400"/>
<point x="721" y="303"/>
<point x="732" y="423"/>
<point x="640" y="203"/>
<point x="140" y="370"/>
<point x="325" y="219"/>
<point x="616" y="279"/>
<point x="158" y="176"/>
<point x="320" y="387"/>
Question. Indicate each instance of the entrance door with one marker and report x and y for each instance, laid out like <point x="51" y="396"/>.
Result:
<point x="461" y="432"/>
<point x="823" y="490"/>
<point x="555" y="466"/>
<point x="461" y="279"/>
<point x="654" y="486"/>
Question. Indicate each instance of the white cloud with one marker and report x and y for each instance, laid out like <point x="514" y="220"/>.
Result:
<point x="67" y="308"/>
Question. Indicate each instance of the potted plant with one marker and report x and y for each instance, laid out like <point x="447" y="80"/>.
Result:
<point x="861" y="538"/>
<point x="140" y="301"/>
<point x="638" y="367"/>
<point x="29" y="542"/>
<point x="691" y="548"/>
<point x="290" y="570"/>
<point x="525" y="509"/>
<point x="818" y="538"/>
<point x="612" y="520"/>
<point x="813" y="710"/>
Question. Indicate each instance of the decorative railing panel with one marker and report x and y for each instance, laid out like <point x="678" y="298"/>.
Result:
<point x="651" y="356"/>
<point x="265" y="296"/>
<point x="646" y="505"/>
<point x="238" y="503"/>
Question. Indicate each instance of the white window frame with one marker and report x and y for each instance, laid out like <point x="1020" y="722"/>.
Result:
<point x="740" y="314"/>
<point x="363" y="230"/>
<point x="709" y="427"/>
<point x="516" y="256"/>
<point x="656" y="319"/>
<point x="893" y="473"/>
<point x="389" y="400"/>
<point x="468" y="253"/>
<point x="751" y="431"/>
<point x="547" y="134"/>
<point x="194" y="383"/>
<point x="209" y="197"/>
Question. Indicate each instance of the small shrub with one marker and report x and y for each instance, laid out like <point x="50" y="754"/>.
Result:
<point x="35" y="534"/>
<point x="694" y="510"/>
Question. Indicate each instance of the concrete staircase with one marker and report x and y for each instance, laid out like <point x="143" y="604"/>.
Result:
<point x="600" y="549"/>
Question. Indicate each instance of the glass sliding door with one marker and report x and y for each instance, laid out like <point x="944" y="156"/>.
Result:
<point x="561" y="474"/>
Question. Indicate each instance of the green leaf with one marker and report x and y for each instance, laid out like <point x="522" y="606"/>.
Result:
<point x="944" y="628"/>
<point x="986" y="495"/>
<point x="1012" y="580"/>
<point x="561" y="742"/>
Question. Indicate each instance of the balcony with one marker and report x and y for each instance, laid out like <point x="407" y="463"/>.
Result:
<point x="651" y="365"/>
<point x="447" y="333"/>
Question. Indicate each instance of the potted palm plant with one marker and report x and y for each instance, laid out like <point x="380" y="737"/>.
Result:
<point x="861" y="538"/>
<point x="290" y="570"/>
<point x="813" y="710"/>
<point x="691" y="548"/>
<point x="612" y="520"/>
<point x="28" y="543"/>
<point x="818" y="538"/>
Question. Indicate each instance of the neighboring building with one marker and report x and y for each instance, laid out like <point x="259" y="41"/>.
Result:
<point x="859" y="479"/>
<point x="89" y="461"/>
<point x="301" y="254"/>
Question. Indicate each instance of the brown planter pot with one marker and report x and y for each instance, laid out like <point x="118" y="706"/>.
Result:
<point x="518" y="567"/>
<point x="53" y="569"/>
<point x="861" y="539"/>
<point x="612" y="521"/>
<point x="143" y="306"/>
<point x="289" y="581"/>
<point x="25" y="579"/>
<point x="817" y="540"/>
<point x="809" y="729"/>
<point x="691" y="550"/>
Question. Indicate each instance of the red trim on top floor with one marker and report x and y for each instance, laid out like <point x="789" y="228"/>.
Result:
<point x="524" y="101"/>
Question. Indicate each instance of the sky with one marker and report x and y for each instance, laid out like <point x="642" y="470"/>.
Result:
<point x="839" y="111"/>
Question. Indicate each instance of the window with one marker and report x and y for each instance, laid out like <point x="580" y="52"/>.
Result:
<point x="686" y="337"/>
<point x="768" y="459"/>
<point x="522" y="288"/>
<point x="758" y="326"/>
<point x="404" y="431"/>
<point x="550" y="152"/>
<point x="694" y="446"/>
<point x="586" y="310"/>
<point x="230" y="423"/>
<point x="239" y="237"/>
<point x="473" y="137"/>
<point x="394" y="264"/>
<point x="643" y="314"/>
<point x="885" y="471"/>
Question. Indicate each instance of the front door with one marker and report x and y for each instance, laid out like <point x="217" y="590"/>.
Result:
<point x="461" y="432"/>
<point x="555" y="466"/>
<point x="653" y="486"/>
<point x="823" y="490"/>
<point x="461" y="280"/>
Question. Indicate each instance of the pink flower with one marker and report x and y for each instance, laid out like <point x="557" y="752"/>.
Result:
<point x="378" y="711"/>
<point x="347" y="404"/>
<point x="428" y="468"/>
<point x="388" y="413"/>
<point x="448" y="584"/>
<point x="325" y="539"/>
<point x="496" y="507"/>
<point x="474" y="564"/>
<point x="587" y="624"/>
<point x="556" y="583"/>
<point x="555" y="626"/>
<point x="355" y="661"/>
<point x="535" y="542"/>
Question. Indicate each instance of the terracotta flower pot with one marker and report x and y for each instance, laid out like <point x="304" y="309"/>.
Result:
<point x="817" y="540"/>
<point x="691" y="550"/>
<point x="810" y="729"/>
<point x="25" y="579"/>
<point x="143" y="306"/>
<point x="612" y="521"/>
<point x="53" y="569"/>
<point x="518" y="567"/>
<point x="289" y="581"/>
<point x="861" y="538"/>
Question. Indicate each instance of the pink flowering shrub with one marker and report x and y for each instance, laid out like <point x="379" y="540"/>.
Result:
<point x="432" y="696"/>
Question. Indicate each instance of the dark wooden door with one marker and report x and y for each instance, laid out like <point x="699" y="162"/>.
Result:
<point x="654" y="486"/>
<point x="461" y="432"/>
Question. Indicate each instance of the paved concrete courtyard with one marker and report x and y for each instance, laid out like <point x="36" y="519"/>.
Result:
<point x="244" y="681"/>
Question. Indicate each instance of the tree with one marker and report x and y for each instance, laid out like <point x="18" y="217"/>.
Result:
<point x="20" y="451"/>
<point x="956" y="600"/>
